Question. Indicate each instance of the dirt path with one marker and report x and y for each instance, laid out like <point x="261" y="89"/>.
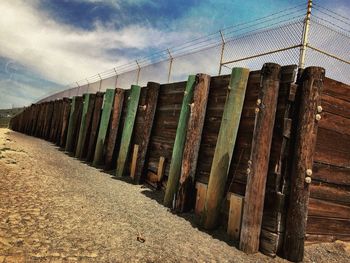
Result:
<point x="54" y="208"/>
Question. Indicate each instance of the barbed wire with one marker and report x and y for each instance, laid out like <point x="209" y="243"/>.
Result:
<point x="277" y="32"/>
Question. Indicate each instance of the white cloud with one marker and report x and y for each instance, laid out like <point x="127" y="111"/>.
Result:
<point x="62" y="53"/>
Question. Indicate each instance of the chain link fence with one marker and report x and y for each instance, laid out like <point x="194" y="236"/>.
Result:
<point x="275" y="38"/>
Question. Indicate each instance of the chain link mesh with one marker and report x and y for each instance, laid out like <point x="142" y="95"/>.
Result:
<point x="275" y="38"/>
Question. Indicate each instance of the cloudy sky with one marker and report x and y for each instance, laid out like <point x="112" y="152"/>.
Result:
<point x="47" y="44"/>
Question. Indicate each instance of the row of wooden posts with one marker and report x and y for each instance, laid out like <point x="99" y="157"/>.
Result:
<point x="90" y="127"/>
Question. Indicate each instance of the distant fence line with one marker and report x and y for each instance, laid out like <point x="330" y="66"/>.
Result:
<point x="278" y="38"/>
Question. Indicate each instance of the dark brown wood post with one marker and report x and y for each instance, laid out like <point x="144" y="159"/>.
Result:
<point x="94" y="126"/>
<point x="185" y="193"/>
<point x="311" y="84"/>
<point x="259" y="159"/>
<point x="65" y="121"/>
<point x="114" y="127"/>
<point x="152" y="91"/>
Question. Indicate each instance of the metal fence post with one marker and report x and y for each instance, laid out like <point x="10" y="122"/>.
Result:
<point x="170" y="64"/>
<point x="305" y="37"/>
<point x="138" y="73"/>
<point x="222" y="50"/>
<point x="99" y="88"/>
<point x="116" y="78"/>
<point x="78" y="88"/>
<point x="87" y="91"/>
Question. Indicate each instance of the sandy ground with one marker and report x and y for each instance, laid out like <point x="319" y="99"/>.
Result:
<point x="54" y="208"/>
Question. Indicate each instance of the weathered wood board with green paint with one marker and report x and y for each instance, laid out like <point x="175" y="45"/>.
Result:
<point x="132" y="105"/>
<point x="224" y="146"/>
<point x="106" y="115"/>
<point x="89" y="100"/>
<point x="72" y="124"/>
<point x="179" y="144"/>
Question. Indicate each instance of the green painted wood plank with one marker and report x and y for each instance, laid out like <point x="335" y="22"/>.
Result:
<point x="224" y="146"/>
<point x="179" y="144"/>
<point x="87" y="108"/>
<point x="71" y="125"/>
<point x="133" y="102"/>
<point x="101" y="137"/>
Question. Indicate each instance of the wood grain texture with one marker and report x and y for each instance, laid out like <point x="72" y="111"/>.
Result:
<point x="225" y="146"/>
<point x="179" y="144"/>
<point x="86" y="117"/>
<point x="143" y="129"/>
<point x="95" y="123"/>
<point x="103" y="128"/>
<point x="65" y="121"/>
<point x="185" y="196"/>
<point x="114" y="127"/>
<point x="133" y="101"/>
<point x="311" y="85"/>
<point x="259" y="160"/>
<point x="73" y="123"/>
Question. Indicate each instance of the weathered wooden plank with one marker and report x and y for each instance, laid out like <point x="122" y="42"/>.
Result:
<point x="114" y="127"/>
<point x="331" y="174"/>
<point x="335" y="106"/>
<point x="95" y="123"/>
<point x="328" y="226"/>
<point x="88" y="107"/>
<point x="102" y="133"/>
<point x="133" y="161"/>
<point x="200" y="198"/>
<point x="329" y="192"/>
<point x="332" y="148"/>
<point x="185" y="198"/>
<point x="270" y="242"/>
<point x="73" y="123"/>
<point x="152" y="91"/>
<point x="225" y="146"/>
<point x="65" y="121"/>
<point x="311" y="86"/>
<point x="335" y="122"/>
<point x="259" y="160"/>
<point x="176" y="158"/>
<point x="132" y="106"/>
<point x="235" y="216"/>
<point x="323" y="208"/>
<point x="315" y="238"/>
<point x="336" y="89"/>
<point x="160" y="170"/>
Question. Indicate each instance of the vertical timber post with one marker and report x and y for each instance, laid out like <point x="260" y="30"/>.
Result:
<point x="133" y="102"/>
<point x="96" y="118"/>
<point x="114" y="127"/>
<point x="224" y="147"/>
<point x="309" y="114"/>
<point x="85" y="122"/>
<point x="151" y="105"/>
<point x="106" y="115"/>
<point x="65" y="121"/>
<point x="222" y="50"/>
<point x="185" y="194"/>
<point x="71" y="125"/>
<point x="259" y="158"/>
<point x="176" y="159"/>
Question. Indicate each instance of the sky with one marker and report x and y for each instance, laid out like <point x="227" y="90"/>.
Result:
<point x="47" y="44"/>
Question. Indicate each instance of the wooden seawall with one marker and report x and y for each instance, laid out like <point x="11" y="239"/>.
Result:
<point x="292" y="135"/>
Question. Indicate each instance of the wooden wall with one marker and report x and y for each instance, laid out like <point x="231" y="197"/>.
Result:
<point x="329" y="204"/>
